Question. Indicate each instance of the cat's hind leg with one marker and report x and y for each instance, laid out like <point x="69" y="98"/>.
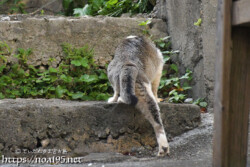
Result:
<point x="148" y="106"/>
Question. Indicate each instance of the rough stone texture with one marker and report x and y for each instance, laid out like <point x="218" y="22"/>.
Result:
<point x="209" y="11"/>
<point x="33" y="5"/>
<point x="46" y="34"/>
<point x="196" y="43"/>
<point x="83" y="127"/>
<point x="53" y="8"/>
<point x="191" y="149"/>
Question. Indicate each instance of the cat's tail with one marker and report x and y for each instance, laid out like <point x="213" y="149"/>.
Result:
<point x="128" y="77"/>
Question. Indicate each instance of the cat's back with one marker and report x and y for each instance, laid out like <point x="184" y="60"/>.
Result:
<point x="137" y="49"/>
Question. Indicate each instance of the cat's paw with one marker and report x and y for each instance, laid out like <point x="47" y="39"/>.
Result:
<point x="163" y="145"/>
<point x="112" y="100"/>
<point x="163" y="151"/>
<point x="120" y="100"/>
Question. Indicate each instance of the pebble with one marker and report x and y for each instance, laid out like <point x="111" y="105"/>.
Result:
<point x="188" y="100"/>
<point x="45" y="143"/>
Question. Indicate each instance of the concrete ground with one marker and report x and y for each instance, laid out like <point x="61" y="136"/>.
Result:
<point x="193" y="148"/>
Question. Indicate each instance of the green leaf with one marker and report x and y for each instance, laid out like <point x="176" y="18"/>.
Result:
<point x="52" y="70"/>
<point x="203" y="104"/>
<point x="65" y="78"/>
<point x="197" y="101"/>
<point x="112" y="2"/>
<point x="97" y="4"/>
<point x="181" y="96"/>
<point x="176" y="98"/>
<point x="66" y="3"/>
<point x="170" y="52"/>
<point x="172" y="92"/>
<point x="166" y="58"/>
<point x="86" y="10"/>
<point x="165" y="38"/>
<point x="177" y="84"/>
<point x="198" y="23"/>
<point x="84" y="62"/>
<point x="46" y="79"/>
<point x="39" y="81"/>
<point x="76" y="62"/>
<point x="78" y="95"/>
<point x="87" y="98"/>
<point x="162" y="44"/>
<point x="89" y="78"/>
<point x="60" y="91"/>
<point x="42" y="12"/>
<point x="21" y="72"/>
<point x="1" y="96"/>
<point x="186" y="87"/>
<point x="52" y="88"/>
<point x="164" y="72"/>
<point x="2" y="68"/>
<point x="103" y="76"/>
<point x="102" y="96"/>
<point x="144" y="23"/>
<point x="23" y="80"/>
<point x="174" y="67"/>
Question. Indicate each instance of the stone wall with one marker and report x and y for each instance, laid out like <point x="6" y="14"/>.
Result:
<point x="54" y="7"/>
<point x="45" y="35"/>
<point x="209" y="11"/>
<point x="84" y="127"/>
<point x="196" y="43"/>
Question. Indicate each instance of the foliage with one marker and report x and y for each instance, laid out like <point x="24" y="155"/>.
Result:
<point x="198" y="23"/>
<point x="76" y="77"/>
<point x="145" y="25"/>
<point x="16" y="6"/>
<point x="106" y="7"/>
<point x="42" y="12"/>
<point x="171" y="85"/>
<point x="90" y="7"/>
<point x="200" y="102"/>
<point x="69" y="5"/>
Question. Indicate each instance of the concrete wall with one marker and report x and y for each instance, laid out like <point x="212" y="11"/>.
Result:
<point x="209" y="10"/>
<point x="46" y="34"/>
<point x="84" y="127"/>
<point x="196" y="43"/>
<point x="54" y="7"/>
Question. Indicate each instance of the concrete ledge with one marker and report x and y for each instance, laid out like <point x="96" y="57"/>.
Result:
<point x="84" y="127"/>
<point x="45" y="34"/>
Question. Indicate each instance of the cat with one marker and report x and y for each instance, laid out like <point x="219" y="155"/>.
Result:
<point x="135" y="74"/>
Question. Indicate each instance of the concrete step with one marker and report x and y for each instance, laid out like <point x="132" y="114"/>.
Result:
<point x="46" y="34"/>
<point x="85" y="127"/>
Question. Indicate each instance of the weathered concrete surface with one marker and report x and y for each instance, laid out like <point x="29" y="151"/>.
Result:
<point x="180" y="16"/>
<point x="33" y="5"/>
<point x="197" y="44"/>
<point x="45" y="35"/>
<point x="209" y="14"/>
<point x="193" y="148"/>
<point x="83" y="127"/>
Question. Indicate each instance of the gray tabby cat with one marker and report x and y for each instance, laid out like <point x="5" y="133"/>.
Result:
<point x="135" y="74"/>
